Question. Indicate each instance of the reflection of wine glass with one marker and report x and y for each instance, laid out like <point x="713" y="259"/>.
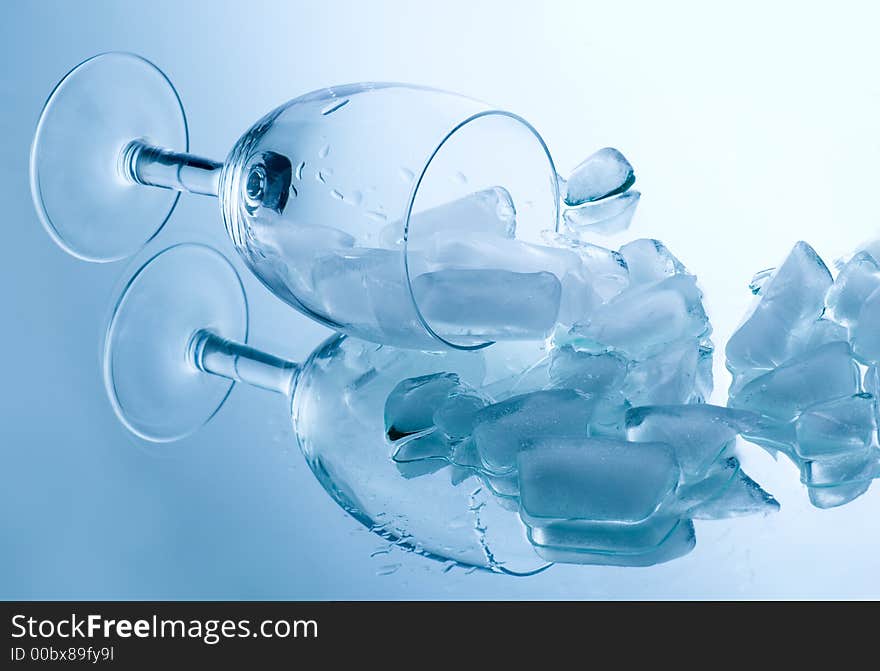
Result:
<point x="343" y="201"/>
<point x="174" y="348"/>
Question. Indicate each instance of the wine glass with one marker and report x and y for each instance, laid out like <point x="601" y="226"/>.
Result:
<point x="401" y="214"/>
<point x="175" y="346"/>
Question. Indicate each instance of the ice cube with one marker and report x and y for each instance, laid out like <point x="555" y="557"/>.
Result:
<point x="482" y="305"/>
<point x="490" y="211"/>
<point x="595" y="374"/>
<point x="411" y="405"/>
<point x="649" y="261"/>
<point x="741" y="496"/>
<point x="865" y="332"/>
<point x="504" y="429"/>
<point x="456" y="415"/>
<point x="699" y="434"/>
<point x="594" y="479"/>
<point x="607" y="537"/>
<point x="668" y="377"/>
<point x="847" y="468"/>
<point x="836" y="427"/>
<point x="704" y="382"/>
<point x="642" y="320"/>
<point x="606" y="270"/>
<point x="677" y="544"/>
<point x="822" y="374"/>
<point x="430" y="444"/>
<point x="605" y="217"/>
<point x="792" y="297"/>
<point x="857" y="280"/>
<point x="478" y="251"/>
<point x="815" y="334"/>
<point x="602" y="174"/>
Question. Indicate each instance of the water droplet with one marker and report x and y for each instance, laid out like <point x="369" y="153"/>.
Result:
<point x="337" y="194"/>
<point x="333" y="106"/>
<point x="460" y="178"/>
<point x="407" y="175"/>
<point x="324" y="151"/>
<point x="299" y="170"/>
<point x="356" y="198"/>
<point x="376" y="216"/>
<point x="320" y="177"/>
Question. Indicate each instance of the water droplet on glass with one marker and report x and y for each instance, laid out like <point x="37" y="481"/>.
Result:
<point x="324" y="151"/>
<point x="407" y="175"/>
<point x="460" y="178"/>
<point x="337" y="194"/>
<point x="335" y="105"/>
<point x="299" y="170"/>
<point x="320" y="177"/>
<point x="356" y="198"/>
<point x="376" y="216"/>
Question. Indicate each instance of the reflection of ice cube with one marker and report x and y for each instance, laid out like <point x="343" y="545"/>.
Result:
<point x="594" y="479"/>
<point x="699" y="434"/>
<point x="411" y="405"/>
<point x="739" y="496"/>
<point x="595" y="374"/>
<point x="847" y="468"/>
<point x="824" y="373"/>
<point x="607" y="537"/>
<point x="837" y="495"/>
<point x="836" y="427"/>
<point x="677" y="543"/>
<point x="605" y="217"/>
<point x="490" y="211"/>
<point x="649" y="261"/>
<point x="602" y="174"/>
<point x="792" y="297"/>
<point x="667" y="377"/>
<point x="488" y="304"/>
<point x="504" y="429"/>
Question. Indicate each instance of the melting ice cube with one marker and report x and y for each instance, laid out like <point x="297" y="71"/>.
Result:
<point x="668" y="377"/>
<point x="605" y="217"/>
<point x="792" y="297"/>
<point x="825" y="373"/>
<point x="490" y="212"/>
<point x="602" y="174"/>
<point x="488" y="304"/>
<point x="605" y="268"/>
<point x="604" y="537"/>
<point x="504" y="429"/>
<point x="594" y="479"/>
<point x="739" y="496"/>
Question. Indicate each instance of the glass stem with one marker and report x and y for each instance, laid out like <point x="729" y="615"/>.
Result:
<point x="154" y="166"/>
<point x="233" y="360"/>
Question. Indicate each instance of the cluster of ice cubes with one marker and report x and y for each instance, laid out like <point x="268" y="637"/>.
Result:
<point x="462" y="267"/>
<point x="599" y="437"/>
<point x="805" y="366"/>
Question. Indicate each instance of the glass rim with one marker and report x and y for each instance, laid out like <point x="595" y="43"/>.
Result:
<point x="415" y="190"/>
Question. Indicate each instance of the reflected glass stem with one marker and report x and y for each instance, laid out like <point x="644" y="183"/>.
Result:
<point x="216" y="355"/>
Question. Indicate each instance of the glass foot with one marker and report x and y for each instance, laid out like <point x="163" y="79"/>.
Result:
<point x="149" y="371"/>
<point x="82" y="194"/>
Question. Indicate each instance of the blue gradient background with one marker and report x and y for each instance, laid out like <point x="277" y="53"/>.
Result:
<point x="750" y="127"/>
